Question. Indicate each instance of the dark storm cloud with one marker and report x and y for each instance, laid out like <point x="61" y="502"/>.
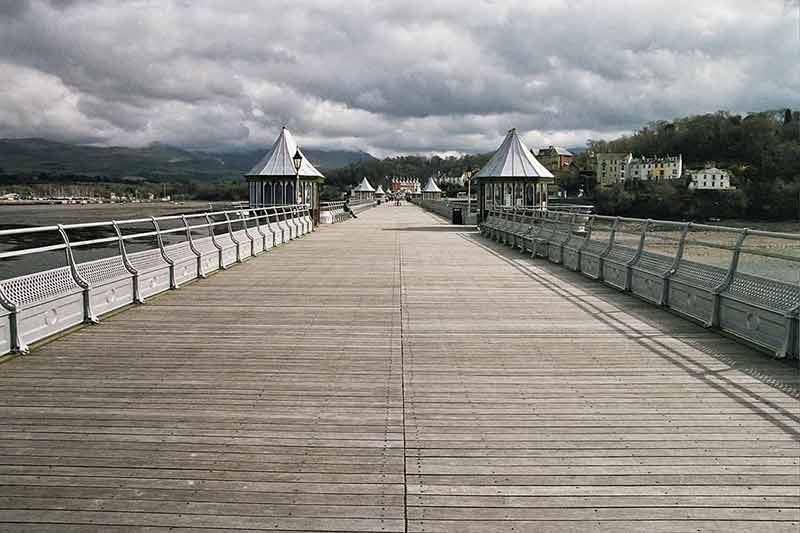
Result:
<point x="384" y="76"/>
<point x="12" y="9"/>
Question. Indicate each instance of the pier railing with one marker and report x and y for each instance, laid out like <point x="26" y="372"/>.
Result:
<point x="333" y="212"/>
<point x="446" y="206"/>
<point x="57" y="277"/>
<point x="743" y="282"/>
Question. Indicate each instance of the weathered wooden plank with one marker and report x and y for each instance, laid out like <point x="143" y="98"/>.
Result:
<point x="721" y="513"/>
<point x="166" y="506"/>
<point x="204" y="484"/>
<point x="593" y="502"/>
<point x="609" y="526"/>
<point x="600" y="490"/>
<point x="100" y="519"/>
<point x="392" y="502"/>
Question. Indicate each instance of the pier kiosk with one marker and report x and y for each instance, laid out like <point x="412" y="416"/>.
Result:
<point x="285" y="176"/>
<point x="513" y="177"/>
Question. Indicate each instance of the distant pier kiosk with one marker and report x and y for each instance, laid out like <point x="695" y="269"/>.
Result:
<point x="380" y="194"/>
<point x="364" y="191"/>
<point x="513" y="177"/>
<point x="285" y="176"/>
<point x="431" y="190"/>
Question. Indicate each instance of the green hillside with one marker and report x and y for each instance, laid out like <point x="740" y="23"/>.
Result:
<point x="322" y="159"/>
<point x="761" y="151"/>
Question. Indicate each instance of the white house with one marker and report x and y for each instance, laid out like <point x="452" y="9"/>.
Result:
<point x="654" y="168"/>
<point x="710" y="178"/>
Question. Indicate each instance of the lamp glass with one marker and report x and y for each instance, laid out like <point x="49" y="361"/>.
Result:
<point x="297" y="160"/>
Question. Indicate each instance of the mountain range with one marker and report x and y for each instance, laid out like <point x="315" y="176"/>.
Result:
<point x="32" y="157"/>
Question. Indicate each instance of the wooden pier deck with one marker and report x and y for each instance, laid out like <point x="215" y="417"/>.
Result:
<point x="394" y="373"/>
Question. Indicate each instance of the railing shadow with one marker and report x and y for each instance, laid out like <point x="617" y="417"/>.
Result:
<point x="741" y="358"/>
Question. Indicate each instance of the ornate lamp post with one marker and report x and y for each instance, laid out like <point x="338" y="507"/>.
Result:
<point x="469" y="172"/>
<point x="297" y="159"/>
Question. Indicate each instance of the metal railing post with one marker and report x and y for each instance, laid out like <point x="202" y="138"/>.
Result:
<point x="260" y="232"/>
<point x="290" y="219"/>
<point x="167" y="259"/>
<point x="534" y="229"/>
<point x="589" y="226"/>
<point x="498" y="219"/>
<point x="195" y="251"/>
<point x="17" y="344"/>
<point x="278" y="223"/>
<point x="567" y="238"/>
<point x="233" y="239"/>
<point x="126" y="262"/>
<point x="633" y="260"/>
<point x="726" y="282"/>
<point x="269" y="228"/>
<point x="301" y="216"/>
<point x="295" y="222"/>
<point x="509" y="226"/>
<point x="289" y="224"/>
<point x="529" y="234"/>
<point x="217" y="245"/>
<point x="244" y="217"/>
<point x="88" y="313"/>
<point x="503" y="225"/>
<point x="675" y="264"/>
<point x="536" y="215"/>
<point x="793" y="336"/>
<point x="281" y="214"/>
<point x="611" y="239"/>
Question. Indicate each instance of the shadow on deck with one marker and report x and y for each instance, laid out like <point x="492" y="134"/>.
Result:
<point x="741" y="358"/>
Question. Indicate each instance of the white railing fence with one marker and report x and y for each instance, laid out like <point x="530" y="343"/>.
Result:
<point x="102" y="266"/>
<point x="743" y="282"/>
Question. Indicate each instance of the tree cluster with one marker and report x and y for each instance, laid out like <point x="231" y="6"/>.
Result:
<point x="761" y="150"/>
<point x="381" y="171"/>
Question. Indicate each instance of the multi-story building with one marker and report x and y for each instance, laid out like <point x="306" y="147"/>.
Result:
<point x="616" y="167"/>
<point x="410" y="185"/>
<point x="453" y="180"/>
<point x="554" y="157"/>
<point x="654" y="168"/>
<point x="710" y="178"/>
<point x="611" y="167"/>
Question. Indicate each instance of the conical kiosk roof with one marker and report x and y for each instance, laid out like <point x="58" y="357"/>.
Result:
<point x="431" y="186"/>
<point x="364" y="186"/>
<point x="513" y="160"/>
<point x="278" y="161"/>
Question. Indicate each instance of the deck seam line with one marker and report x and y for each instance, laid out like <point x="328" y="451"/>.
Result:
<point x="403" y="386"/>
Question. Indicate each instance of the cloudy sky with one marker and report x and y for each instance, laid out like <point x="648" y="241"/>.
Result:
<point x="382" y="76"/>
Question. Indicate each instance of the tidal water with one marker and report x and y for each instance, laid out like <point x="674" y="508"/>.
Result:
<point x="23" y="216"/>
